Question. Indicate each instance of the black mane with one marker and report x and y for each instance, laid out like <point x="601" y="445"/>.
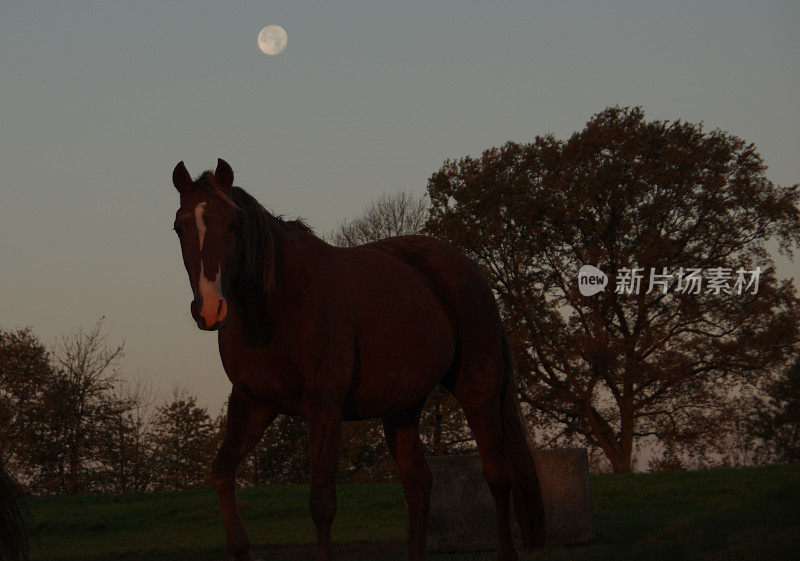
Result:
<point x="255" y="269"/>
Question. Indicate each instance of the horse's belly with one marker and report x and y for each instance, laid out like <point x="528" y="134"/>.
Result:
<point x="405" y="346"/>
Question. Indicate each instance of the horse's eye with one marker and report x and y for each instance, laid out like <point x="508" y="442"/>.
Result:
<point x="233" y="226"/>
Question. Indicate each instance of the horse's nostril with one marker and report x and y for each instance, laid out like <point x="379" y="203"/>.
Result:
<point x="219" y="308"/>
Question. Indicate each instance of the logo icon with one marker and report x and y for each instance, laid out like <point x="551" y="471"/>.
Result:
<point x="591" y="280"/>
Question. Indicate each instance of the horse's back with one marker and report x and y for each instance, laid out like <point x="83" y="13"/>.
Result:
<point x="417" y="302"/>
<point x="470" y="301"/>
<point x="459" y="282"/>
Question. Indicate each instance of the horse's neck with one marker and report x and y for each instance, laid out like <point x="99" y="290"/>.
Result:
<point x="299" y="252"/>
<point x="299" y="257"/>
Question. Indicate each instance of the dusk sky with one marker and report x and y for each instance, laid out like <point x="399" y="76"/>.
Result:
<point x="100" y="100"/>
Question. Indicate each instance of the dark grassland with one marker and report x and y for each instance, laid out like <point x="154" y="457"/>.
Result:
<point x="719" y="514"/>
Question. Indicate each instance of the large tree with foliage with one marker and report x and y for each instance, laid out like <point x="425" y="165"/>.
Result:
<point x="626" y="193"/>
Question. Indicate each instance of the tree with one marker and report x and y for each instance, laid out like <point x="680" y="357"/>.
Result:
<point x="778" y="420"/>
<point x="79" y="403"/>
<point x="25" y="373"/>
<point x="282" y="456"/>
<point x="62" y="413"/>
<point x="185" y="439"/>
<point x="127" y="457"/>
<point x="621" y="194"/>
<point x="443" y="427"/>
<point x="363" y="454"/>
<point x="729" y="434"/>
<point x="390" y="215"/>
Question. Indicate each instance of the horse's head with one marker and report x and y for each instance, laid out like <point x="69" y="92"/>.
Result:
<point x="206" y="224"/>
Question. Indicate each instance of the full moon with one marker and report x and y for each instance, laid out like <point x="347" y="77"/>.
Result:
<point x="272" y="39"/>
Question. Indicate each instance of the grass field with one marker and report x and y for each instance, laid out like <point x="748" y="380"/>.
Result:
<point x="721" y="514"/>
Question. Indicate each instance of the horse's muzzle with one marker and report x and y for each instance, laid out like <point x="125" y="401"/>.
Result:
<point x="209" y="315"/>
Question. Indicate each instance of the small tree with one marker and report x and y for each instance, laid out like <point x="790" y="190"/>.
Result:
<point x="282" y="456"/>
<point x="778" y="422"/>
<point x="127" y="457"/>
<point x="25" y="375"/>
<point x="363" y="454"/>
<point x="184" y="441"/>
<point x="390" y="215"/>
<point x="79" y="403"/>
<point x="443" y="427"/>
<point x="626" y="194"/>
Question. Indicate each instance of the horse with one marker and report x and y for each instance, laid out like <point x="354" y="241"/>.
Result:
<point x="13" y="535"/>
<point x="334" y="334"/>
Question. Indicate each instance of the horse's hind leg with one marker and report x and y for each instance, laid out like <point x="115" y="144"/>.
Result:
<point x="324" y="434"/>
<point x="480" y="399"/>
<point x="402" y="436"/>
<point x="246" y="423"/>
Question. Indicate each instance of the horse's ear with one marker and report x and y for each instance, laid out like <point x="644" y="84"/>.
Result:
<point x="223" y="175"/>
<point x="181" y="178"/>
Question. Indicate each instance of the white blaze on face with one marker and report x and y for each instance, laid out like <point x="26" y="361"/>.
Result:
<point x="210" y="289"/>
<point x="199" y="211"/>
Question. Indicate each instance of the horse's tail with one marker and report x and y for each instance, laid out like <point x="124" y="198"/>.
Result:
<point x="14" y="541"/>
<point x="519" y="462"/>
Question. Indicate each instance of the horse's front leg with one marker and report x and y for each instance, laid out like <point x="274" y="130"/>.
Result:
<point x="324" y="431"/>
<point x="247" y="420"/>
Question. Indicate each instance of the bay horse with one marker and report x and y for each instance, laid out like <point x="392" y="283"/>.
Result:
<point x="333" y="334"/>
<point x="13" y="534"/>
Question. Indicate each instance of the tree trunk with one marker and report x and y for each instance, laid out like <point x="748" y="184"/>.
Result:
<point x="618" y="448"/>
<point x="618" y="455"/>
<point x="621" y="464"/>
<point x="626" y="432"/>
